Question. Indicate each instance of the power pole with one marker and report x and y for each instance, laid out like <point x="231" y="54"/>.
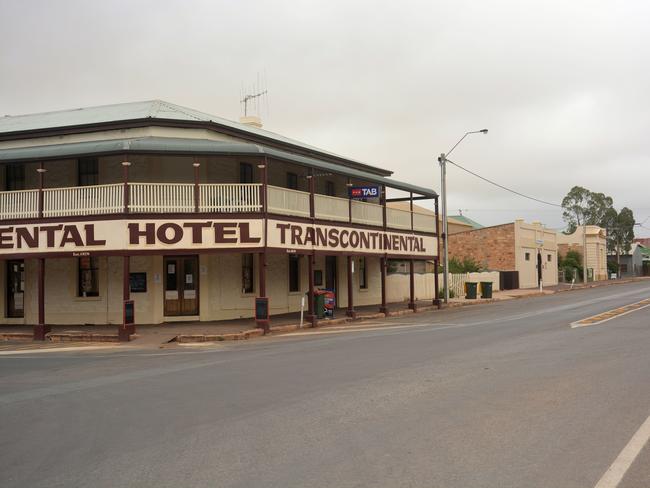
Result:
<point x="445" y="251"/>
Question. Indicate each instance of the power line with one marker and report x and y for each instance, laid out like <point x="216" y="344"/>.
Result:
<point x="501" y="186"/>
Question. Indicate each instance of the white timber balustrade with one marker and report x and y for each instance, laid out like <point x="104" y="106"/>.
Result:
<point x="367" y="213"/>
<point x="424" y="222"/>
<point x="83" y="200"/>
<point x="398" y="219"/>
<point x="331" y="208"/>
<point x="161" y="197"/>
<point x="230" y="198"/>
<point x="21" y="204"/>
<point x="288" y="202"/>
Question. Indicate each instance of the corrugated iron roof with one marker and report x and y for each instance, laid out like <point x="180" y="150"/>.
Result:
<point x="193" y="147"/>
<point x="149" y="109"/>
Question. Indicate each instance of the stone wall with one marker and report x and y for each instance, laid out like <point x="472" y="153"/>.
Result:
<point x="493" y="248"/>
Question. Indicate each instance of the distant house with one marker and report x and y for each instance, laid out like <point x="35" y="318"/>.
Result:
<point x="528" y="250"/>
<point x="631" y="264"/>
<point x="466" y="220"/>
<point x="644" y="241"/>
<point x="456" y="224"/>
<point x="596" y="242"/>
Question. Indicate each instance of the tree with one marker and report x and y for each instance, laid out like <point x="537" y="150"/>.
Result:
<point x="467" y="265"/>
<point x="584" y="207"/>
<point x="621" y="233"/>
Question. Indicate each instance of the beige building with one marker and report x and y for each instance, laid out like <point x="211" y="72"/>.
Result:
<point x="455" y="226"/>
<point x="148" y="212"/>
<point x="530" y="250"/>
<point x="595" y="239"/>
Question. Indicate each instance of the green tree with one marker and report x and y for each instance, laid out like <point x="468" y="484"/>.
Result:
<point x="584" y="207"/>
<point x="620" y="234"/>
<point x="466" y="265"/>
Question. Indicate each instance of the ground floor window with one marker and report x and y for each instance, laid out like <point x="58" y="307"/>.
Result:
<point x="88" y="277"/>
<point x="294" y="273"/>
<point x="247" y="270"/>
<point x="363" y="274"/>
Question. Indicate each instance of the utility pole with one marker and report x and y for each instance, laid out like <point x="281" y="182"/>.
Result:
<point x="445" y="252"/>
<point x="443" y="190"/>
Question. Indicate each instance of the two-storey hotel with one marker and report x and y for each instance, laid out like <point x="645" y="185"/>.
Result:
<point x="150" y="212"/>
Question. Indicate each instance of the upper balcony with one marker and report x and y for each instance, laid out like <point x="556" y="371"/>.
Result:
<point x="218" y="198"/>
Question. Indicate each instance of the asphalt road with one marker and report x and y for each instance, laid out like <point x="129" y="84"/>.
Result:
<point x="499" y="395"/>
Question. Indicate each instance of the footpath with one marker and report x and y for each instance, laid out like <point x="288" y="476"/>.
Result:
<point x="18" y="338"/>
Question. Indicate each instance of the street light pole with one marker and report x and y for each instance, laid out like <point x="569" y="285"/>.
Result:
<point x="443" y="191"/>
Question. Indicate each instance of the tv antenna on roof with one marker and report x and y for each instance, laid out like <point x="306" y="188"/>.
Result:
<point x="251" y="97"/>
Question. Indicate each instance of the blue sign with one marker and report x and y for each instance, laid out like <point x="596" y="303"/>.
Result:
<point x="360" y="192"/>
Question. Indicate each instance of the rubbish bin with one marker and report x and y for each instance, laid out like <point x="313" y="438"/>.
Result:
<point x="470" y="290"/>
<point x="486" y="289"/>
<point x="319" y="304"/>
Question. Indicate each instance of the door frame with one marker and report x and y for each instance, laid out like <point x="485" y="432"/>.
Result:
<point x="8" y="270"/>
<point x="179" y="258"/>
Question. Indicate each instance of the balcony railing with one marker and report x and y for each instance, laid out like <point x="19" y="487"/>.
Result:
<point x="218" y="198"/>
<point x="288" y="202"/>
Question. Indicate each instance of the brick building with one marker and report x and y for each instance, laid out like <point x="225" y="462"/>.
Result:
<point x="516" y="246"/>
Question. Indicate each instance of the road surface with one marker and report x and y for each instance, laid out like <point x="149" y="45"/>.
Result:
<point x="499" y="395"/>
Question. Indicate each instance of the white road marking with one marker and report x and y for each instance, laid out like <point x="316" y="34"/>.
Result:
<point x="613" y="476"/>
<point x="55" y="349"/>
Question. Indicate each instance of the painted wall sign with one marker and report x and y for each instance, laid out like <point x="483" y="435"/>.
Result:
<point x="360" y="192"/>
<point x="302" y="236"/>
<point x="85" y="237"/>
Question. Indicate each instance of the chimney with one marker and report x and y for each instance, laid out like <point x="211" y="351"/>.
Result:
<point x="252" y="120"/>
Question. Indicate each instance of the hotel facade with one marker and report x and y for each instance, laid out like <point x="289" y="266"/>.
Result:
<point x="148" y="212"/>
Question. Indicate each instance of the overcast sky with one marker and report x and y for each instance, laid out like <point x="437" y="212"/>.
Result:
<point x="562" y="86"/>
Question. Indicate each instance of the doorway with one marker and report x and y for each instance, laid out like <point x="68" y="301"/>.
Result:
<point x="181" y="285"/>
<point x="330" y="275"/>
<point x="16" y="288"/>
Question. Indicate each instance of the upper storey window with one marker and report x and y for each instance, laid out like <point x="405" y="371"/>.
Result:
<point x="15" y="177"/>
<point x="88" y="172"/>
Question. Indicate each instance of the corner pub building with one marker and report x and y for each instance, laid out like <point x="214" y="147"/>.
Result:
<point x="176" y="215"/>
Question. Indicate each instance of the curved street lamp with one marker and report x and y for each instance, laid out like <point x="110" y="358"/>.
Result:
<point x="443" y="190"/>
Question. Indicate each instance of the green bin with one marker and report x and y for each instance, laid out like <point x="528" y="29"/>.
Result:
<point x="486" y="289"/>
<point x="319" y="305"/>
<point x="470" y="290"/>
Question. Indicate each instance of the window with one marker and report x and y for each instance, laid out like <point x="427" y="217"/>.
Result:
<point x="15" y="177"/>
<point x="548" y="258"/>
<point x="294" y="273"/>
<point x="329" y="189"/>
<point x="292" y="181"/>
<point x="623" y="268"/>
<point x="527" y="256"/>
<point x="363" y="274"/>
<point x="88" y="279"/>
<point x="245" y="173"/>
<point x="247" y="276"/>
<point x="88" y="172"/>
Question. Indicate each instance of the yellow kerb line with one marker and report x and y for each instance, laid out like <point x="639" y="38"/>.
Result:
<point x="611" y="314"/>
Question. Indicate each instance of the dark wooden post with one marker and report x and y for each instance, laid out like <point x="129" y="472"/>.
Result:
<point x="350" y="311"/>
<point x="311" y="316"/>
<point x="41" y="183"/>
<point x="382" y="262"/>
<point x="41" y="329"/>
<point x="349" y="187"/>
<point x="263" y="167"/>
<point x="411" y="207"/>
<point x="196" y="166"/>
<point x="383" y="307"/>
<point x="436" y="299"/>
<point x="125" y="330"/>
<point x="125" y="177"/>
<point x="412" y="304"/>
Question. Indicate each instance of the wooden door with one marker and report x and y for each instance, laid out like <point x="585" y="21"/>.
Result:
<point x="330" y="274"/>
<point x="16" y="288"/>
<point x="181" y="285"/>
